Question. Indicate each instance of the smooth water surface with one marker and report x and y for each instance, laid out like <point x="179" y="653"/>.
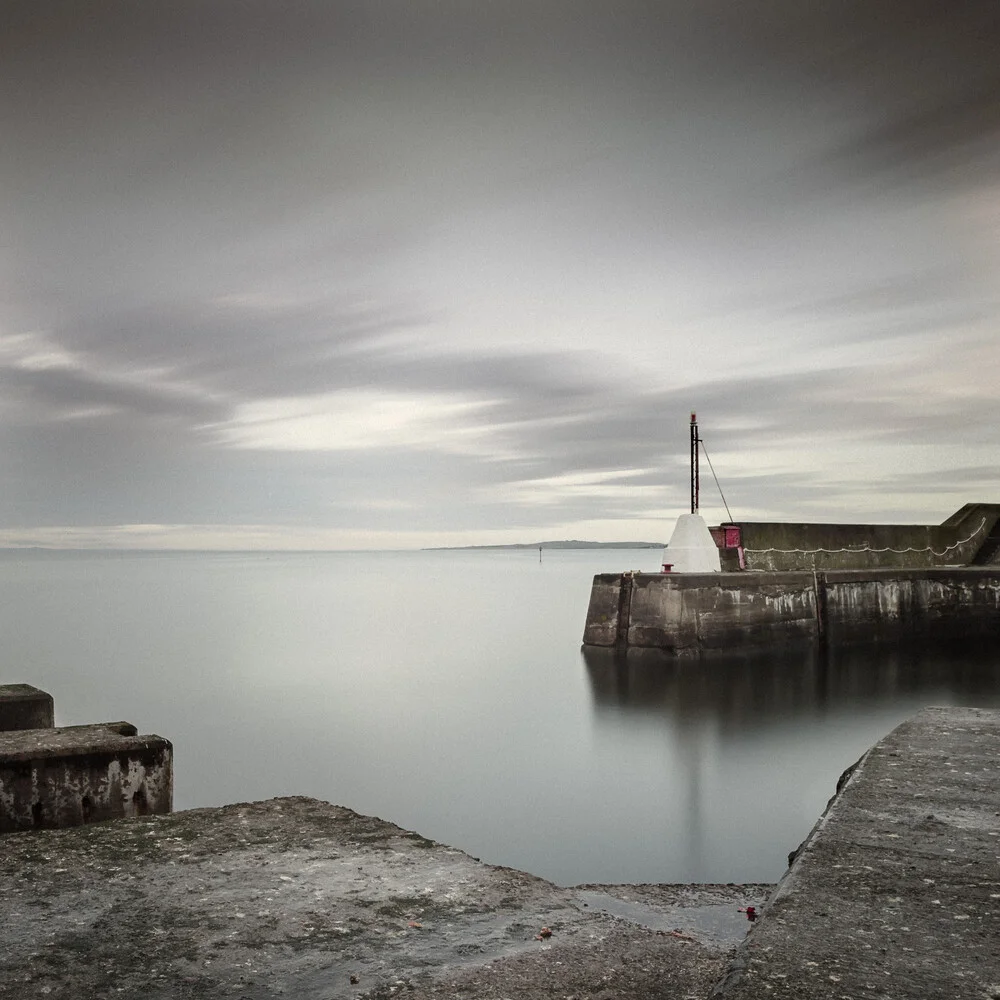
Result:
<point x="447" y="692"/>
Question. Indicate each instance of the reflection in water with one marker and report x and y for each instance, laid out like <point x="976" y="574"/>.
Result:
<point x="746" y="691"/>
<point x="753" y="743"/>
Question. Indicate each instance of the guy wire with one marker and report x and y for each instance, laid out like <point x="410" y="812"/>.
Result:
<point x="701" y="441"/>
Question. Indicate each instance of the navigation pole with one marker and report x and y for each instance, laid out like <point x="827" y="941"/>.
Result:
<point x="695" y="481"/>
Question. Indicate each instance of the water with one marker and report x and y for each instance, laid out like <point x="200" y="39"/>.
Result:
<point x="447" y="692"/>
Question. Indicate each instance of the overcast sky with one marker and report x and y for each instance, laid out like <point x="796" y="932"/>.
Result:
<point x="277" y="273"/>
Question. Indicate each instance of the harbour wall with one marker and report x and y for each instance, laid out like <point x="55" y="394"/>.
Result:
<point x="693" y="612"/>
<point x="970" y="536"/>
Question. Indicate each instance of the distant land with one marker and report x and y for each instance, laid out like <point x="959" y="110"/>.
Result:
<point x="571" y="544"/>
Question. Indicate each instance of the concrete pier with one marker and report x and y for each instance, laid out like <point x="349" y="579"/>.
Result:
<point x="692" y="612"/>
<point x="896" y="892"/>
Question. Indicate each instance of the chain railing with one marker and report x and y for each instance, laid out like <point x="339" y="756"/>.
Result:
<point x="868" y="548"/>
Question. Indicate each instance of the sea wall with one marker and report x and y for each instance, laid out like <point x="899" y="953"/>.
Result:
<point x="688" y="612"/>
<point x="970" y="536"/>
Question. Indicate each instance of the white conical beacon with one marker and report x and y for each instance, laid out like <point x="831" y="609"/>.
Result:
<point x="692" y="548"/>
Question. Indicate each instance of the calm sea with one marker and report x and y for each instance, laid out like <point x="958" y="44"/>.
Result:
<point x="447" y="692"/>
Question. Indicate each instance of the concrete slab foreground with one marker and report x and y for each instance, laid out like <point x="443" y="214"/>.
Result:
<point x="300" y="899"/>
<point x="896" y="892"/>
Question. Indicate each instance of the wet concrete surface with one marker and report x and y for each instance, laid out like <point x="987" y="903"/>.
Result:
<point x="896" y="892"/>
<point x="705" y="913"/>
<point x="298" y="898"/>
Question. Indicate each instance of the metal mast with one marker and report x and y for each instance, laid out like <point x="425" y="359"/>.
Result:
<point x="695" y="481"/>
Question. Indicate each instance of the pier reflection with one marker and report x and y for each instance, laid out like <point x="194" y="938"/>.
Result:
<point x="751" y="690"/>
<point x="738" y="754"/>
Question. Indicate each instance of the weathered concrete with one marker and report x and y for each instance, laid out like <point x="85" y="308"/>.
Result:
<point x="700" y="611"/>
<point x="294" y="897"/>
<point x="608" y="613"/>
<point x="25" y="707"/>
<point x="970" y="536"/>
<point x="692" y="612"/>
<point x="80" y="774"/>
<point x="896" y="892"/>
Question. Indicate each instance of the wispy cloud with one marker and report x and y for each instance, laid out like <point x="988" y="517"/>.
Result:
<point x="326" y="274"/>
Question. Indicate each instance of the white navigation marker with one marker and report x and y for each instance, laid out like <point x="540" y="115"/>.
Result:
<point x="692" y="548"/>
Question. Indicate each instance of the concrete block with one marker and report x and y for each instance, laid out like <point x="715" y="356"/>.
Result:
<point x="82" y="774"/>
<point x="25" y="707"/>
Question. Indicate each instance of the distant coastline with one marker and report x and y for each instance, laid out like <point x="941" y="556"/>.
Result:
<point x="571" y="544"/>
<point x="114" y="551"/>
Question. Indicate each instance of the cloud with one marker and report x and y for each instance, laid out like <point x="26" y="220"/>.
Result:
<point x="447" y="268"/>
<point x="349" y="421"/>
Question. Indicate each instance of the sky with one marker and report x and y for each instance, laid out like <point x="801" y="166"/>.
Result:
<point x="299" y="274"/>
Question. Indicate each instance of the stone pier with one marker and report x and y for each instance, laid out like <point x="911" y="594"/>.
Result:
<point x="693" y="612"/>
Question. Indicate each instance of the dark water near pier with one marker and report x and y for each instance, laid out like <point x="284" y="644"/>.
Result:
<point x="446" y="691"/>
